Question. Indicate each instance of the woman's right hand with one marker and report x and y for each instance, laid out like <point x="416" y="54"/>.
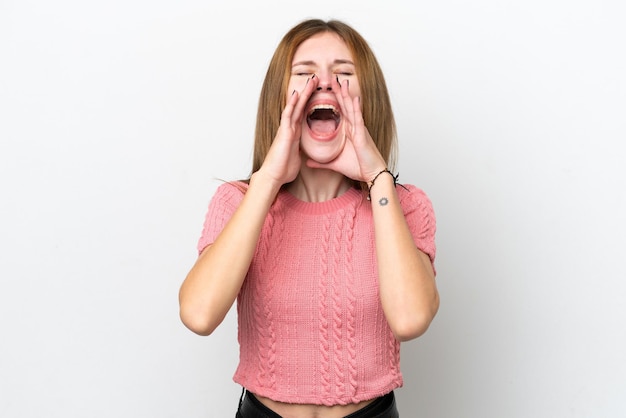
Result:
<point x="283" y="162"/>
<point x="215" y="280"/>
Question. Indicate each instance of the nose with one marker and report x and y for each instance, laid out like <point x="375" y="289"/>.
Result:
<point x="325" y="83"/>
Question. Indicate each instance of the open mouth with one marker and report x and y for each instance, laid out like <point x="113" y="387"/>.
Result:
<point x="323" y="119"/>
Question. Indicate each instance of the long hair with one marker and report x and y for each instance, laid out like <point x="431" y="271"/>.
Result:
<point x="376" y="105"/>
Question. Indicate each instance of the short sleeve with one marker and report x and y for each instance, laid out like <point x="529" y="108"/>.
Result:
<point x="225" y="201"/>
<point x="420" y="217"/>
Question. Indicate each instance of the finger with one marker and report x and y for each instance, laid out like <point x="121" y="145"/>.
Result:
<point x="285" y="116"/>
<point x="359" y="123"/>
<point x="358" y="114"/>
<point x="304" y="96"/>
<point x="337" y="89"/>
<point x="348" y="102"/>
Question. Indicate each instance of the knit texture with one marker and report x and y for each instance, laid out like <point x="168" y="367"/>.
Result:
<point x="311" y="325"/>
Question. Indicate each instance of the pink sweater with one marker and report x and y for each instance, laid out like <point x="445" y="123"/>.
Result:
<point x="311" y="325"/>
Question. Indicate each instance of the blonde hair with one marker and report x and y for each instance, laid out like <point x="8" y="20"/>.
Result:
<point x="376" y="105"/>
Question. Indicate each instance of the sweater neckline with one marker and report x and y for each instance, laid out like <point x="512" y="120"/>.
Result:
<point x="351" y="196"/>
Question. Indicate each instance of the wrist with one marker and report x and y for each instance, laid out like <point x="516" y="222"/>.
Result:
<point x="259" y="180"/>
<point x="382" y="175"/>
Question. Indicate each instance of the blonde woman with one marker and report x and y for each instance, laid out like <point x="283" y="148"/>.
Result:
<point x="329" y="259"/>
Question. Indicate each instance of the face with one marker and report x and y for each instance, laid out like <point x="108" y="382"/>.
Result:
<point x="327" y="56"/>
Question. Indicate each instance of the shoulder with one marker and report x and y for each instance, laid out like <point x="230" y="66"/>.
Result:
<point x="227" y="198"/>
<point x="232" y="191"/>
<point x="232" y="187"/>
<point x="225" y="201"/>
<point x="412" y="197"/>
<point x="420" y="217"/>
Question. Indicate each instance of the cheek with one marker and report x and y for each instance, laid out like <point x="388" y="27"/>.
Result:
<point x="296" y="83"/>
<point x="355" y="89"/>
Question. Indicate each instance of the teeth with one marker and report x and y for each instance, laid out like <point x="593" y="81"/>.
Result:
<point x="323" y="106"/>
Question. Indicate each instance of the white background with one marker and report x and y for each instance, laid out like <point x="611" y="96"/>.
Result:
<point x="117" y="117"/>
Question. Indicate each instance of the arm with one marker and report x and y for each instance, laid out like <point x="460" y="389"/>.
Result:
<point x="408" y="290"/>
<point x="407" y="282"/>
<point x="214" y="281"/>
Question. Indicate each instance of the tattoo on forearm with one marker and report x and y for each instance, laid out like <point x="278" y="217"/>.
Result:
<point x="383" y="201"/>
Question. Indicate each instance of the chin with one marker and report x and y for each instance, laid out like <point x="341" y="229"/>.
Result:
<point x="322" y="151"/>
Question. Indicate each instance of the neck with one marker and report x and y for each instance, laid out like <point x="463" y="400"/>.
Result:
<point x="318" y="185"/>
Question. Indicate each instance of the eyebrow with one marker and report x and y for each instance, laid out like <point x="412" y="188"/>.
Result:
<point x="309" y="62"/>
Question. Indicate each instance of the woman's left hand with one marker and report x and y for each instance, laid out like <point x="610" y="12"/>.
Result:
<point x="359" y="160"/>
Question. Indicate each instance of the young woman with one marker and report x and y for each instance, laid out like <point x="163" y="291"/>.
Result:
<point x="329" y="259"/>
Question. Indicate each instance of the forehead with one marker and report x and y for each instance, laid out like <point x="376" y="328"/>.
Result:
<point x="326" y="45"/>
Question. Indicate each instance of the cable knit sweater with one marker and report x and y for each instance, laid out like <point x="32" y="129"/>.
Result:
<point x="311" y="325"/>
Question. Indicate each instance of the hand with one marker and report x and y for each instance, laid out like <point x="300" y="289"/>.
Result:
<point x="283" y="162"/>
<point x="359" y="160"/>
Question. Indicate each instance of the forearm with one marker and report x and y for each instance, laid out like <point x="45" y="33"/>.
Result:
<point x="214" y="281"/>
<point x="407" y="284"/>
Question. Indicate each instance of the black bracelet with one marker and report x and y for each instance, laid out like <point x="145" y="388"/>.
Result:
<point x="371" y="183"/>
